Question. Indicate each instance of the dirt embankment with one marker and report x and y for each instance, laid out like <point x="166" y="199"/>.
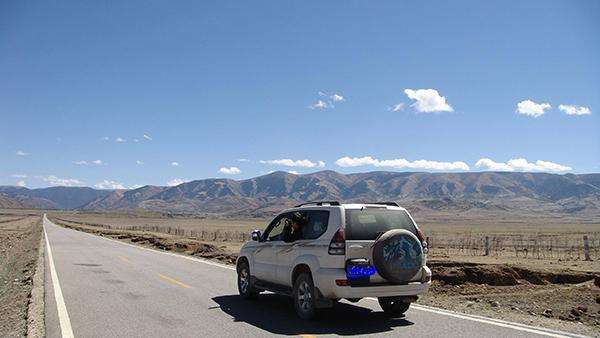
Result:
<point x="19" y="243"/>
<point x="458" y="273"/>
<point x="560" y="299"/>
<point x="165" y="242"/>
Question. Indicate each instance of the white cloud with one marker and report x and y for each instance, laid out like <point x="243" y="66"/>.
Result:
<point x="138" y="162"/>
<point x="574" y="110"/>
<point x="337" y="98"/>
<point x="320" y="104"/>
<point x="147" y="137"/>
<point x="530" y="108"/>
<point x="294" y="163"/>
<point x="520" y="164"/>
<point x="488" y="164"/>
<point x="21" y="153"/>
<point x="19" y="175"/>
<point x="67" y="182"/>
<point x="136" y="140"/>
<point x="105" y="138"/>
<point x="21" y="183"/>
<point x="328" y="101"/>
<point x="428" y="101"/>
<point x="174" y="164"/>
<point x="175" y="181"/>
<point x="400" y="163"/>
<point x="107" y="184"/>
<point x="243" y="160"/>
<point x="397" y="107"/>
<point x="294" y="172"/>
<point x="230" y="170"/>
<point x="135" y="186"/>
<point x="84" y="162"/>
<point x="119" y="140"/>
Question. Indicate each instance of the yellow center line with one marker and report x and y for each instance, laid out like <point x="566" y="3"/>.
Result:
<point x="174" y="281"/>
<point x="304" y="335"/>
<point x="124" y="259"/>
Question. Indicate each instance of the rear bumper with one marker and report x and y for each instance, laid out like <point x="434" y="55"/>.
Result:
<point x="326" y="278"/>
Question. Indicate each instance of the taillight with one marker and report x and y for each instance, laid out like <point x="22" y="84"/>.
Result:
<point x="423" y="240"/>
<point x="337" y="246"/>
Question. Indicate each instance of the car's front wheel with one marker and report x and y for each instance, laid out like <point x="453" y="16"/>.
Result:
<point x="245" y="287"/>
<point x="393" y="306"/>
<point x="304" y="297"/>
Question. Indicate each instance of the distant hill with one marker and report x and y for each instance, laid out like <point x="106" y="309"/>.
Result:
<point x="9" y="203"/>
<point x="54" y="197"/>
<point x="263" y="195"/>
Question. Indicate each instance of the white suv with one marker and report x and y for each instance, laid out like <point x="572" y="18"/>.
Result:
<point x="346" y="251"/>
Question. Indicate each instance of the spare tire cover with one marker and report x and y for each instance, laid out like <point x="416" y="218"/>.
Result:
<point x="398" y="255"/>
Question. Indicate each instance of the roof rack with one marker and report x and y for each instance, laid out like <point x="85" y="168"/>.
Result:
<point x="319" y="203"/>
<point x="391" y="204"/>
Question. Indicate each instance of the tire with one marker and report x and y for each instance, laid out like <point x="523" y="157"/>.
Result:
<point x="244" y="282"/>
<point x="304" y="297"/>
<point x="398" y="255"/>
<point x="393" y="306"/>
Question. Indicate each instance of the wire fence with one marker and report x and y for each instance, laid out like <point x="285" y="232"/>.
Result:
<point x="535" y="246"/>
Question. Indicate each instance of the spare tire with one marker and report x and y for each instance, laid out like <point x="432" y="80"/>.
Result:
<point x="398" y="255"/>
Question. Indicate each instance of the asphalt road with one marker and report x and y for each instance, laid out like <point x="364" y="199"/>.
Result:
<point x="97" y="287"/>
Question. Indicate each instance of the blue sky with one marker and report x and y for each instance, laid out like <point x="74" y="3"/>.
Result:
<point x="299" y="86"/>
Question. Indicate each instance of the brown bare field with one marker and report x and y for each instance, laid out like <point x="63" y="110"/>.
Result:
<point x="19" y="243"/>
<point x="523" y="239"/>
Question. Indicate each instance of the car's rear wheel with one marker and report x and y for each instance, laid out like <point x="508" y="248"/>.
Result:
<point x="304" y="296"/>
<point x="244" y="281"/>
<point x="393" y="306"/>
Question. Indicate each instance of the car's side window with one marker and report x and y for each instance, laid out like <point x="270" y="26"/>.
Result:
<point x="275" y="229"/>
<point x="316" y="223"/>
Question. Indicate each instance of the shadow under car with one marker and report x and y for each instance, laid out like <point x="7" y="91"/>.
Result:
<point x="275" y="314"/>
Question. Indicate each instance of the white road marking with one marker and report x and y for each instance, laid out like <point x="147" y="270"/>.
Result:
<point x="196" y="259"/>
<point x="63" y="316"/>
<point x="480" y="319"/>
<point x="498" y="322"/>
<point x="492" y="321"/>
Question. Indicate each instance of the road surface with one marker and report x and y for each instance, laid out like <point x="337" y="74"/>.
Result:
<point x="97" y="287"/>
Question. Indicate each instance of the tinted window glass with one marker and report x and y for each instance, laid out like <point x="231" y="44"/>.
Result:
<point x="275" y="229"/>
<point x="316" y="223"/>
<point x="367" y="224"/>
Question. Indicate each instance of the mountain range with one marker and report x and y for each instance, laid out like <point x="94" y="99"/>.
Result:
<point x="263" y="195"/>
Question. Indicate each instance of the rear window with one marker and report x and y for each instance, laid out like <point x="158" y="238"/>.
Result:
<point x="368" y="223"/>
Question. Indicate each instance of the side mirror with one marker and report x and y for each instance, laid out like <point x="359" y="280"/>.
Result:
<point x="255" y="235"/>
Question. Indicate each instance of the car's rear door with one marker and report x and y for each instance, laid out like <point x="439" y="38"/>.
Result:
<point x="363" y="226"/>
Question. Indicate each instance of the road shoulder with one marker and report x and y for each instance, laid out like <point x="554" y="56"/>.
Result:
<point x="35" y="311"/>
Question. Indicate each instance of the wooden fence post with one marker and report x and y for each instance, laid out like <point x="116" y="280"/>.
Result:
<point x="487" y="246"/>
<point x="586" y="248"/>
